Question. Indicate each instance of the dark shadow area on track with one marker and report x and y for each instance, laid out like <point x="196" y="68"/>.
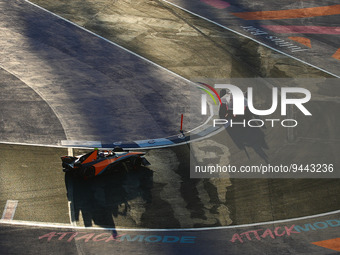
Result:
<point x="245" y="137"/>
<point x="102" y="99"/>
<point x="106" y="197"/>
<point x="242" y="134"/>
<point x="29" y="119"/>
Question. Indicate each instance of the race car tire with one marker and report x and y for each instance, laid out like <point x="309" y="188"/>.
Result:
<point x="136" y="162"/>
<point x="65" y="170"/>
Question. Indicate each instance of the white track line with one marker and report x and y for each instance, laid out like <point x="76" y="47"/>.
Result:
<point x="71" y="214"/>
<point x="117" y="45"/>
<point x="70" y="152"/>
<point x="40" y="145"/>
<point x="145" y="148"/>
<point x="113" y="43"/>
<point x="9" y="211"/>
<point x="103" y="148"/>
<point x="149" y="61"/>
<point x="41" y="96"/>
<point x="65" y="226"/>
<point x="261" y="43"/>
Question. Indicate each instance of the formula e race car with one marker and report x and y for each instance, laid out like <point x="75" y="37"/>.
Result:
<point x="98" y="162"/>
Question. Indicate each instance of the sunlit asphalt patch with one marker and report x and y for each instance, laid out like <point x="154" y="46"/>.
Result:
<point x="238" y="19"/>
<point x="33" y="176"/>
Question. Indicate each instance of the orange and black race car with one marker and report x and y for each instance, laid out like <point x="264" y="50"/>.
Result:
<point x="98" y="162"/>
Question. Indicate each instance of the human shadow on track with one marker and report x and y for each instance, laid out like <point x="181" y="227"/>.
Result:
<point x="245" y="136"/>
<point x="98" y="201"/>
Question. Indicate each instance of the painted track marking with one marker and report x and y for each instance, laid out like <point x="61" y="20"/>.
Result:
<point x="69" y="226"/>
<point x="9" y="210"/>
<point x="290" y="14"/>
<point x="303" y="29"/>
<point x="110" y="42"/>
<point x="337" y="54"/>
<point x="250" y="38"/>
<point x="120" y="47"/>
<point x="216" y="3"/>
<point x="332" y="244"/>
<point x="197" y="229"/>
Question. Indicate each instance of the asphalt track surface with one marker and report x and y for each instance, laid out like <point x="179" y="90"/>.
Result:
<point x="163" y="196"/>
<point x="308" y="31"/>
<point x="77" y="88"/>
<point x="284" y="238"/>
